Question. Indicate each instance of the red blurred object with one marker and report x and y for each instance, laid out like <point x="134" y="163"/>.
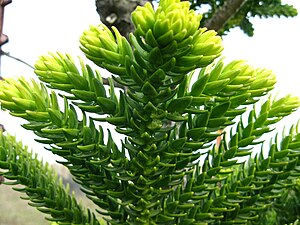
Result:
<point x="1" y="179"/>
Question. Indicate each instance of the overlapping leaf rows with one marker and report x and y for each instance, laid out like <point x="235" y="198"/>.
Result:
<point x="40" y="184"/>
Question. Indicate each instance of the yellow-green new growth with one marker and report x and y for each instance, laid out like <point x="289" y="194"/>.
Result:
<point x="169" y="38"/>
<point x="172" y="19"/>
<point x="24" y="99"/>
<point x="174" y="27"/>
<point x="103" y="47"/>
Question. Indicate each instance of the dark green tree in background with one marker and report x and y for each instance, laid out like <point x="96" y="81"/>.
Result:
<point x="285" y="209"/>
<point x="224" y="15"/>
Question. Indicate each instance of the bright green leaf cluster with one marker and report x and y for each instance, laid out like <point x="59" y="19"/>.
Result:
<point x="172" y="19"/>
<point x="234" y="79"/>
<point x="28" y="100"/>
<point x="167" y="45"/>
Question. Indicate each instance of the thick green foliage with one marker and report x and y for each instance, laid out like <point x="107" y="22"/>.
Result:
<point x="286" y="209"/>
<point x="41" y="184"/>
<point x="242" y="19"/>
<point x="169" y="168"/>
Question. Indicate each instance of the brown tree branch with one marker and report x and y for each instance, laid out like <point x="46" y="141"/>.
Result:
<point x="15" y="58"/>
<point x="118" y="13"/>
<point x="223" y="14"/>
<point x="117" y="85"/>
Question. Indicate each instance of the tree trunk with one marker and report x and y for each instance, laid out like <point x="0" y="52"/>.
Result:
<point x="118" y="13"/>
